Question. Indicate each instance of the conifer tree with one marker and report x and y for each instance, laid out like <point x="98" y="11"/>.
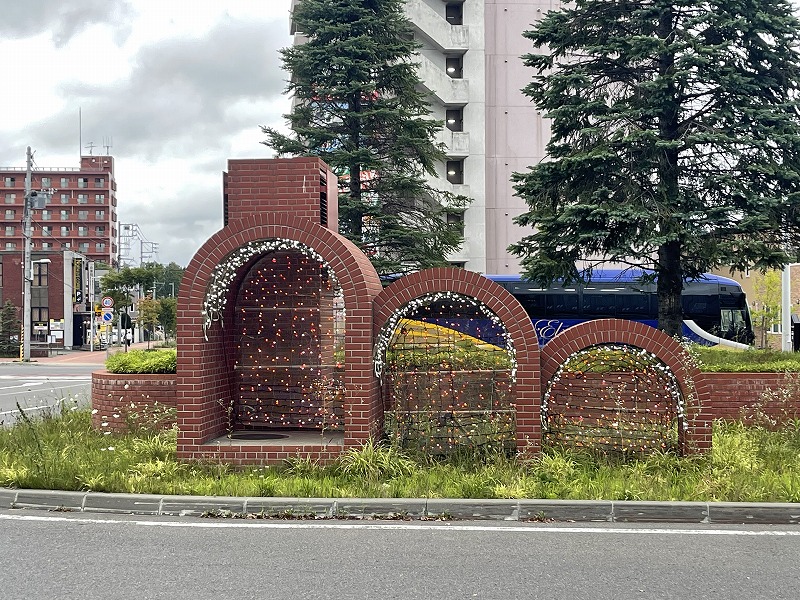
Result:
<point x="358" y="106"/>
<point x="675" y="140"/>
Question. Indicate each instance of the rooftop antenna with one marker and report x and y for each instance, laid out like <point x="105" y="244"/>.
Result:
<point x="90" y="146"/>
<point x="108" y="143"/>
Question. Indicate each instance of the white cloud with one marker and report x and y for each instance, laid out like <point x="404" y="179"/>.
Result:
<point x="175" y="91"/>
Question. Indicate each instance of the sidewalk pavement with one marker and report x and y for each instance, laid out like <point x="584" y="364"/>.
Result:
<point x="570" y="511"/>
<point x="78" y="357"/>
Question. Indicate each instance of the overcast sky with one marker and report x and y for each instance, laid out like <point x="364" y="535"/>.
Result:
<point x="176" y="87"/>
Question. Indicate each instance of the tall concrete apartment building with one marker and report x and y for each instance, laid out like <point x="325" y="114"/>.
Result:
<point x="81" y="217"/>
<point x="470" y="63"/>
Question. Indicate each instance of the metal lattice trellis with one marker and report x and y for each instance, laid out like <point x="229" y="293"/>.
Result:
<point x="613" y="399"/>
<point x="449" y="380"/>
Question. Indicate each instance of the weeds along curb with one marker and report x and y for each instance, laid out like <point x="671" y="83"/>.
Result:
<point x="404" y="509"/>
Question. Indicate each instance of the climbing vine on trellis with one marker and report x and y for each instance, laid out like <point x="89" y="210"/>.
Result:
<point x="614" y="398"/>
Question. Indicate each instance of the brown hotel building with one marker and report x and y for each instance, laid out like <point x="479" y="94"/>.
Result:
<point x="81" y="217"/>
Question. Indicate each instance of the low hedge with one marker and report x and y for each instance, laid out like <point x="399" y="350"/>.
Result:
<point x="712" y="360"/>
<point x="719" y="360"/>
<point x="143" y="361"/>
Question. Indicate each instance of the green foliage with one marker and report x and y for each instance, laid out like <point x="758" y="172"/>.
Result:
<point x="9" y="330"/>
<point x="359" y="107"/>
<point x="675" y="140"/>
<point x="143" y="361"/>
<point x="375" y="461"/>
<point x="168" y="315"/>
<point x="766" y="301"/>
<point x="61" y="450"/>
<point x="458" y="357"/>
<point x="718" y="360"/>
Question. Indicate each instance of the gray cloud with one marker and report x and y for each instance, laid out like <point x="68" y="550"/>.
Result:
<point x="63" y="18"/>
<point x="180" y="95"/>
<point x="185" y="99"/>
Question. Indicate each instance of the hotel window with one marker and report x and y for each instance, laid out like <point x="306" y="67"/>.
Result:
<point x="64" y="182"/>
<point x="99" y="214"/>
<point x="99" y="182"/>
<point x="455" y="171"/>
<point x="9" y="181"/>
<point x="65" y="215"/>
<point x="11" y="245"/>
<point x="99" y="199"/>
<point x="64" y="198"/>
<point x="47" y="230"/>
<point x="83" y="198"/>
<point x="99" y="247"/>
<point x="84" y="247"/>
<point x="83" y="182"/>
<point x="10" y="214"/>
<point x="83" y="215"/>
<point x="40" y="314"/>
<point x="457" y="219"/>
<point x="46" y="245"/>
<point x="454" y="65"/>
<point x="455" y="119"/>
<point x="83" y="231"/>
<point x="40" y="274"/>
<point x="9" y="230"/>
<point x="46" y="182"/>
<point x="11" y="198"/>
<point x="64" y="230"/>
<point x="47" y="215"/>
<point x="100" y="230"/>
<point x="454" y="13"/>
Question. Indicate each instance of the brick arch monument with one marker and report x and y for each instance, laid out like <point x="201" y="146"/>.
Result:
<point x="283" y="199"/>
<point x="697" y="436"/>
<point x="506" y="308"/>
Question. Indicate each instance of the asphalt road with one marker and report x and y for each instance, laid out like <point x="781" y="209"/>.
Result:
<point x="39" y="386"/>
<point x="95" y="557"/>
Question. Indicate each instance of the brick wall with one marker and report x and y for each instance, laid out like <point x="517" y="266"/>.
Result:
<point x="116" y="395"/>
<point x="733" y="392"/>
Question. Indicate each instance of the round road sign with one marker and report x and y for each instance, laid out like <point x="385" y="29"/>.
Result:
<point x="107" y="302"/>
<point x="107" y="316"/>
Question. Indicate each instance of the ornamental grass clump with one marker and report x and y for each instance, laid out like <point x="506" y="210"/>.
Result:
<point x="143" y="361"/>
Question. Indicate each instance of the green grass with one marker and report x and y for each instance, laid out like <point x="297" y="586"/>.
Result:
<point x="61" y="450"/>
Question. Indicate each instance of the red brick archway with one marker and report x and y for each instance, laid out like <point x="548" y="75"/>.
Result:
<point x="502" y="304"/>
<point x="204" y="374"/>
<point x="619" y="331"/>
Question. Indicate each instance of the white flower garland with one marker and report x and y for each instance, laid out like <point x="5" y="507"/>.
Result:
<point x="388" y="330"/>
<point x="225" y="272"/>
<point x="652" y="361"/>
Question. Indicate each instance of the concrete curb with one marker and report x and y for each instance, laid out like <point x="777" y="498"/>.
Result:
<point x="402" y="508"/>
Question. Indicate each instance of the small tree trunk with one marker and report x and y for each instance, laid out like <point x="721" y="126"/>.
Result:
<point x="669" y="288"/>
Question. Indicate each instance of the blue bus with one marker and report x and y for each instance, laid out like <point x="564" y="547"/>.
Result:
<point x="714" y="307"/>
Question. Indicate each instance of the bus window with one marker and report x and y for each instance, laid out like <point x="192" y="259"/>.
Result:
<point x="562" y="304"/>
<point x="635" y="306"/>
<point x="599" y="305"/>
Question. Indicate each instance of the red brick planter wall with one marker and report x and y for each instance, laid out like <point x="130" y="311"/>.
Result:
<point x="507" y="308"/>
<point x="730" y="393"/>
<point x="113" y="394"/>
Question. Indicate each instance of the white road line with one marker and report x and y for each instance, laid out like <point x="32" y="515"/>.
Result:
<point x="529" y="529"/>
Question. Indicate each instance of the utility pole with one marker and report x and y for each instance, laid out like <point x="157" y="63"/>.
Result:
<point x="32" y="200"/>
<point x="27" y="276"/>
